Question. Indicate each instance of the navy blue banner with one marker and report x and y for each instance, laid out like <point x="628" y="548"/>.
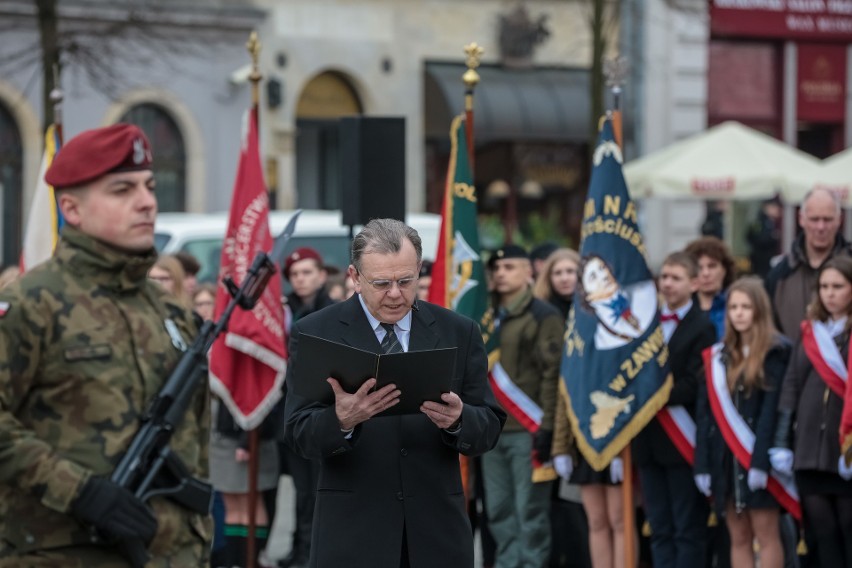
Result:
<point x="615" y="363"/>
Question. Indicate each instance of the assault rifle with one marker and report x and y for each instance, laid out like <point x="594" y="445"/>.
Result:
<point x="150" y="468"/>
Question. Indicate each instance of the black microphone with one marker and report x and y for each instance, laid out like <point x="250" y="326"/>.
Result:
<point x="414" y="306"/>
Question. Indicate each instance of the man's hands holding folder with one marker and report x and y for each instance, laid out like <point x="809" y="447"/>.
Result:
<point x="444" y="416"/>
<point x="352" y="409"/>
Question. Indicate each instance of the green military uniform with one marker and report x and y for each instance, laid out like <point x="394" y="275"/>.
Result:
<point x="83" y="347"/>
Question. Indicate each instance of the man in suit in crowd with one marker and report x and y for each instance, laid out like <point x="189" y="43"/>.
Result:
<point x="390" y="491"/>
<point x="675" y="509"/>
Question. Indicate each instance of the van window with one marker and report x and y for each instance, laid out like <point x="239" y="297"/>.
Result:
<point x="334" y="251"/>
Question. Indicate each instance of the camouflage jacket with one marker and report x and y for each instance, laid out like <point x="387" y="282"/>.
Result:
<point x="83" y="347"/>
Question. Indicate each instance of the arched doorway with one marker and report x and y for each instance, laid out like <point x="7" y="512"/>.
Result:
<point x="11" y="187"/>
<point x="169" y="151"/>
<point x="325" y="98"/>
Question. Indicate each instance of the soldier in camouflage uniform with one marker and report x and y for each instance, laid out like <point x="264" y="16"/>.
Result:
<point x="86" y="340"/>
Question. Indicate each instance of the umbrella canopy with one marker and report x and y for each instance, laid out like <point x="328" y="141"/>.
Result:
<point x="836" y="175"/>
<point x="728" y="161"/>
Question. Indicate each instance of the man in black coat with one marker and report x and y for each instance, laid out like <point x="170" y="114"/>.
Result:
<point x="390" y="491"/>
<point x="675" y="509"/>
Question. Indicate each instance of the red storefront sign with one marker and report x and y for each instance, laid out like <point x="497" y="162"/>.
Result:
<point x="789" y="19"/>
<point x="821" y="82"/>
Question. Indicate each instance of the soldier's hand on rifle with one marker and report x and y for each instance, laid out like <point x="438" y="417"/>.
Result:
<point x="114" y="510"/>
<point x="352" y="409"/>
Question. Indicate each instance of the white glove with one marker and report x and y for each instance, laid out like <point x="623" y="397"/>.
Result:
<point x="757" y="479"/>
<point x="781" y="460"/>
<point x="564" y="465"/>
<point x="616" y="470"/>
<point x="702" y="482"/>
<point x="845" y="472"/>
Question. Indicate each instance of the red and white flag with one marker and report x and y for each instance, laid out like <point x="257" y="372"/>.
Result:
<point x="248" y="362"/>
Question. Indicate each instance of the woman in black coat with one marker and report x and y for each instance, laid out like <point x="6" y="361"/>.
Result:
<point x="814" y="403"/>
<point x="755" y="358"/>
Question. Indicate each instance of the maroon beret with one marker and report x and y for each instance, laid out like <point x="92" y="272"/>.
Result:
<point x="301" y="253"/>
<point x="94" y="153"/>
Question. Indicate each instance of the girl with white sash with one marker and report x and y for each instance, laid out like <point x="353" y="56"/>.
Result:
<point x="812" y="398"/>
<point x="736" y="424"/>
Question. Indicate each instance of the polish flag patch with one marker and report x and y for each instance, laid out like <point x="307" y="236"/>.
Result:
<point x="4" y="308"/>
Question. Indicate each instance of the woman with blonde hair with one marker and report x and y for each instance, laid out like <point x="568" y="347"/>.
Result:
<point x="556" y="283"/>
<point x="736" y="415"/>
<point x="168" y="273"/>
<point x="557" y="279"/>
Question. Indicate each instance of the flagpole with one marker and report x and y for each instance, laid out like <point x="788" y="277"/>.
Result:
<point x="470" y="78"/>
<point x="253" y="47"/>
<point x="615" y="70"/>
<point x="56" y="97"/>
<point x="473" y="53"/>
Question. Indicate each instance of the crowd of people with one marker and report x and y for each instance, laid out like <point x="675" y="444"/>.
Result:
<point x="762" y="361"/>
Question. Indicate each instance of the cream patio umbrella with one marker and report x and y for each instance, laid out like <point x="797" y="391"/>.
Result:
<point x="836" y="175"/>
<point x="729" y="161"/>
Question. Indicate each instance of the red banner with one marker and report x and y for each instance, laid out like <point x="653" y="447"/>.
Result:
<point x="247" y="365"/>
<point x="789" y="19"/>
<point x="821" y="84"/>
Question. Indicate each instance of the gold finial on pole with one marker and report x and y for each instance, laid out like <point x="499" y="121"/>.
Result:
<point x="473" y="53"/>
<point x="253" y="47"/>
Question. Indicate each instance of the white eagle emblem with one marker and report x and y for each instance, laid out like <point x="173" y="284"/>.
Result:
<point x="139" y="152"/>
<point x="607" y="148"/>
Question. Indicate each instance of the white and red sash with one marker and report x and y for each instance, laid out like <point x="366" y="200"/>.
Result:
<point x="824" y="355"/>
<point x="514" y="400"/>
<point x="737" y="434"/>
<point x="680" y="428"/>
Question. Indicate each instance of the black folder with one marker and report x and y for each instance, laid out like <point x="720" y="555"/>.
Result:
<point x="419" y="375"/>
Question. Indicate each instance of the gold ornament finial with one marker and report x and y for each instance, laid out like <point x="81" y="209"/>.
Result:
<point x="253" y="47"/>
<point x="473" y="53"/>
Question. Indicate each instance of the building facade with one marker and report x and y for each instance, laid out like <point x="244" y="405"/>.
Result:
<point x="168" y="69"/>
<point x="181" y="73"/>
<point x="782" y="67"/>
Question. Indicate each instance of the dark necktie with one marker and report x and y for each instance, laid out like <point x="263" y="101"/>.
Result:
<point x="670" y="317"/>
<point x="390" y="344"/>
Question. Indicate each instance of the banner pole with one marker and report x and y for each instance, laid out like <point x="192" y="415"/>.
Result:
<point x="253" y="47"/>
<point x="629" y="511"/>
<point x="615" y="70"/>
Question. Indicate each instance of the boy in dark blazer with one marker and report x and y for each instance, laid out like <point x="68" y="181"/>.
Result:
<point x="675" y="509"/>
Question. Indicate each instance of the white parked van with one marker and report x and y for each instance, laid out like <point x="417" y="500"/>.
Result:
<point x="201" y="235"/>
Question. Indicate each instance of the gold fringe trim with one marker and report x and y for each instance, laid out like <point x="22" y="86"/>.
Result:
<point x="493" y="358"/>
<point x="543" y="474"/>
<point x="640" y="419"/>
<point x="846" y="449"/>
<point x="712" y="519"/>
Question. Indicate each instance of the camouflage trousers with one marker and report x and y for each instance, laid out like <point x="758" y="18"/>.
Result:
<point x="194" y="556"/>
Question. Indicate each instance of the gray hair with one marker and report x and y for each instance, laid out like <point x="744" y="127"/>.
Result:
<point x="383" y="236"/>
<point x="834" y="197"/>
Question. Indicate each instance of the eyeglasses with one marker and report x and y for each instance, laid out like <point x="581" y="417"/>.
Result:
<point x="160" y="279"/>
<point x="386" y="285"/>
